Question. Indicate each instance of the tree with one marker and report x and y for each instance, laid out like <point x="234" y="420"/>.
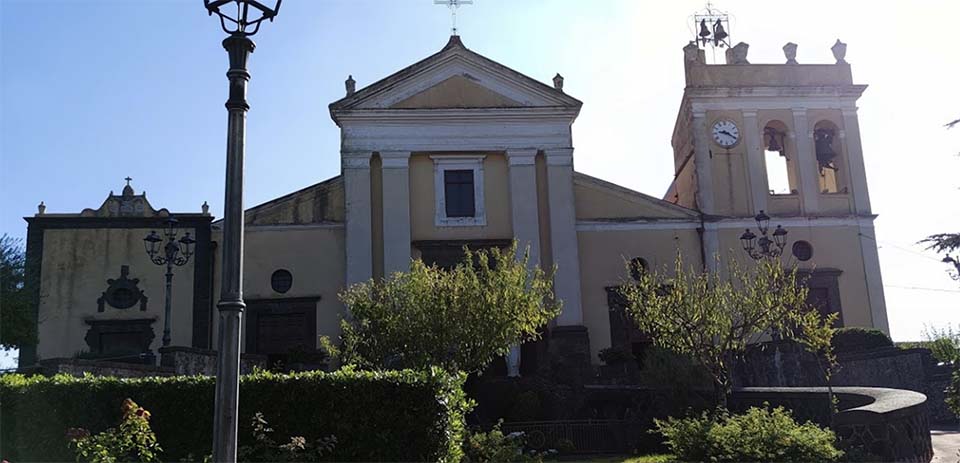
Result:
<point x="946" y="243"/>
<point x="16" y="324"/>
<point x="815" y="333"/>
<point x="459" y="319"/>
<point x="711" y="318"/>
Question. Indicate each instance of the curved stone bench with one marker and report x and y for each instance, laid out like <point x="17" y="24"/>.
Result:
<point x="889" y="424"/>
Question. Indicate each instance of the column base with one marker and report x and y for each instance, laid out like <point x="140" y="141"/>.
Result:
<point x="568" y="355"/>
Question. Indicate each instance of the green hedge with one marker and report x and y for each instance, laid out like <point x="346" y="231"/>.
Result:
<point x="855" y="339"/>
<point x="375" y="416"/>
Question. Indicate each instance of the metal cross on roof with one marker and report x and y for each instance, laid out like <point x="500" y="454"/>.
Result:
<point x="453" y="5"/>
<point x="128" y="179"/>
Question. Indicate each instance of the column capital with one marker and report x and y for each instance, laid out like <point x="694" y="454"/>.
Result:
<point x="395" y="159"/>
<point x="799" y="112"/>
<point x="559" y="156"/>
<point x="749" y="113"/>
<point x="522" y="157"/>
<point x="355" y="159"/>
<point x="699" y="113"/>
<point x="848" y="112"/>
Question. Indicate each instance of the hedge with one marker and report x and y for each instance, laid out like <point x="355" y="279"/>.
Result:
<point x="855" y="339"/>
<point x="375" y="416"/>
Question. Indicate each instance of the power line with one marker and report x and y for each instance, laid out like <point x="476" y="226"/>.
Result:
<point x="885" y="243"/>
<point x="920" y="288"/>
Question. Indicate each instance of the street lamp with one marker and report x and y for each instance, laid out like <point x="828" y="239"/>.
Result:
<point x="175" y="252"/>
<point x="241" y="22"/>
<point x="765" y="246"/>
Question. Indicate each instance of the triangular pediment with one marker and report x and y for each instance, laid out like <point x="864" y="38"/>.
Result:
<point x="455" y="77"/>
<point x="457" y="92"/>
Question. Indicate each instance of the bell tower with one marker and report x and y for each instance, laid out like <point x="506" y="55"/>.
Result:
<point x="783" y="139"/>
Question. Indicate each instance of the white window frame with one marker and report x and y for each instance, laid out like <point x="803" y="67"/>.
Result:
<point x="444" y="163"/>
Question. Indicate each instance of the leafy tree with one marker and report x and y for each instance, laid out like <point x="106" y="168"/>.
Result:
<point x="946" y="243"/>
<point x="16" y="324"/>
<point x="459" y="319"/>
<point x="815" y="333"/>
<point x="712" y="318"/>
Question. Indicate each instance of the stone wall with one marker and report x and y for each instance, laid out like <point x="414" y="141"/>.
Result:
<point x="173" y="361"/>
<point x="786" y="364"/>
<point x="872" y="424"/>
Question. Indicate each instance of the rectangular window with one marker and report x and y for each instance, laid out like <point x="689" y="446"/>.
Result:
<point x="459" y="193"/>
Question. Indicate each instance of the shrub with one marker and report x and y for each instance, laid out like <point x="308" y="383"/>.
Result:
<point x="459" y="319"/>
<point x="398" y="415"/>
<point x="495" y="446"/>
<point x="759" y="435"/>
<point x="615" y="355"/>
<point x="132" y="440"/>
<point x="944" y="343"/>
<point x="953" y="393"/>
<point x="856" y="339"/>
<point x="265" y="449"/>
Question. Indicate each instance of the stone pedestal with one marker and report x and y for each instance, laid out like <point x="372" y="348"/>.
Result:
<point x="569" y="355"/>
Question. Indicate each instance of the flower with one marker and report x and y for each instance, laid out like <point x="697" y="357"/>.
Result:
<point x="128" y="406"/>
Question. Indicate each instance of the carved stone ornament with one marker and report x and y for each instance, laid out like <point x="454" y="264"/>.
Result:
<point x="738" y="54"/>
<point x="558" y="82"/>
<point x="122" y="293"/>
<point x="839" y="50"/>
<point x="790" y="52"/>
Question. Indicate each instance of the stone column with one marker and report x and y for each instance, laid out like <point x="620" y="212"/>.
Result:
<point x="356" y="185"/>
<point x="754" y="145"/>
<point x="396" y="211"/>
<point x="702" y="163"/>
<point x="563" y="234"/>
<point x="806" y="162"/>
<point x="853" y="149"/>
<point x="523" y="201"/>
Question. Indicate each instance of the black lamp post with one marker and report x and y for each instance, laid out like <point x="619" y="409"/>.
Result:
<point x="241" y="22"/>
<point x="175" y="252"/>
<point x="764" y="247"/>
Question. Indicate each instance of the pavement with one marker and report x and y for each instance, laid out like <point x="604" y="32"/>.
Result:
<point x="946" y="444"/>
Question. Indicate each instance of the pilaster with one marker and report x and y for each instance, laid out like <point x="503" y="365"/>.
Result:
<point x="871" y="268"/>
<point x="396" y="211"/>
<point x="356" y="183"/>
<point x="702" y="164"/>
<point x="753" y="139"/>
<point x="523" y="201"/>
<point x="563" y="233"/>
<point x="806" y="162"/>
<point x="853" y="149"/>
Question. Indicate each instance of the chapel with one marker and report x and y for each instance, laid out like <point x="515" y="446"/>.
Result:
<point x="460" y="150"/>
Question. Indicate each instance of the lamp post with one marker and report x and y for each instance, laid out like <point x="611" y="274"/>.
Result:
<point x="175" y="252"/>
<point x="240" y="23"/>
<point x="764" y="247"/>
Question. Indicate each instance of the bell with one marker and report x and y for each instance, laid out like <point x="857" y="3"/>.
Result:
<point x="823" y="143"/>
<point x="704" y="32"/>
<point x="718" y="33"/>
<point x="773" y="140"/>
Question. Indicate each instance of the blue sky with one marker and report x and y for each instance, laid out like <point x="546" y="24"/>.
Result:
<point x="94" y="91"/>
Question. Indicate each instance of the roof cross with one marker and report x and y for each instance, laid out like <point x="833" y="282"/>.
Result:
<point x="453" y="5"/>
<point x="128" y="179"/>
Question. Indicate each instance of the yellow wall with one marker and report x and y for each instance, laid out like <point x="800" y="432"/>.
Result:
<point x="76" y="264"/>
<point x="603" y="257"/>
<point x="833" y="247"/>
<point x="314" y="256"/>
<point x="496" y="178"/>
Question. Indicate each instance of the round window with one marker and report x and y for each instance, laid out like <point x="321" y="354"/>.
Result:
<point x="281" y="281"/>
<point x="802" y="250"/>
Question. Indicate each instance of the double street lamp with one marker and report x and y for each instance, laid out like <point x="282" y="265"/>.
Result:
<point x="764" y="247"/>
<point x="240" y="21"/>
<point x="174" y="253"/>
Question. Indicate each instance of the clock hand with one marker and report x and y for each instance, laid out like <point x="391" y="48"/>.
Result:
<point x="726" y="133"/>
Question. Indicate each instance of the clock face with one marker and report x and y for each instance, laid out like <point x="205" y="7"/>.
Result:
<point x="726" y="133"/>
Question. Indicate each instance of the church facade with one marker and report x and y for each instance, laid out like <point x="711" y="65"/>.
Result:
<point x="458" y="150"/>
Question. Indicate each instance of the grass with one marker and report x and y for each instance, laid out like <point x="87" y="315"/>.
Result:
<point x="652" y="458"/>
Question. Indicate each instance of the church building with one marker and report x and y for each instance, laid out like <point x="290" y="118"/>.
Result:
<point x="460" y="150"/>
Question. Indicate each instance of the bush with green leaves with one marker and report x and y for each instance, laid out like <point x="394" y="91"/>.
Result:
<point x="952" y="393"/>
<point x="494" y="446"/>
<point x="132" y="440"/>
<point x="713" y="316"/>
<point x="856" y="339"/>
<point x="377" y="416"/>
<point x="944" y="343"/>
<point x="459" y="319"/>
<point x="759" y="435"/>
<point x="298" y="449"/>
